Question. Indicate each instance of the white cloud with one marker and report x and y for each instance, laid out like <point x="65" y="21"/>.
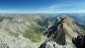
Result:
<point x="59" y="8"/>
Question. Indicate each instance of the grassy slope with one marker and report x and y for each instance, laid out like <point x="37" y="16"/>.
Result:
<point x="33" y="34"/>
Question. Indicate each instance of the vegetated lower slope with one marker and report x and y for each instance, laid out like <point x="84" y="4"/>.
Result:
<point x="29" y="26"/>
<point x="23" y="31"/>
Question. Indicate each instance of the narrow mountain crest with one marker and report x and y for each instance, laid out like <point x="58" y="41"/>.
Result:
<point x="63" y="31"/>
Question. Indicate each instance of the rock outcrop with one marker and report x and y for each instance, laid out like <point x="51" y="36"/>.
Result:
<point x="79" y="42"/>
<point x="53" y="44"/>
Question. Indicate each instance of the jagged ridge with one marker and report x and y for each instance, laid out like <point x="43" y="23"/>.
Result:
<point x="63" y="31"/>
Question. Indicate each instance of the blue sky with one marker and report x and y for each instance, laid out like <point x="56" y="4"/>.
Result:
<point x="42" y="6"/>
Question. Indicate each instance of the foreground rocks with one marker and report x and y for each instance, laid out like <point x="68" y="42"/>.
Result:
<point x="53" y="44"/>
<point x="7" y="41"/>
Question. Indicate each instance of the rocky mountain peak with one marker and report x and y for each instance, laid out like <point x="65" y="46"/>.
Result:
<point x="63" y="31"/>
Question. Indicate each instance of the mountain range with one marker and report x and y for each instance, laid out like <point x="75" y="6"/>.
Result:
<point x="26" y="30"/>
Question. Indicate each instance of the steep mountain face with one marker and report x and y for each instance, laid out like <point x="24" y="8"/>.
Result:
<point x="79" y="18"/>
<point x="62" y="33"/>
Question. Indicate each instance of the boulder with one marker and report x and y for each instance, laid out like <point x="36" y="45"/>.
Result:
<point x="79" y="42"/>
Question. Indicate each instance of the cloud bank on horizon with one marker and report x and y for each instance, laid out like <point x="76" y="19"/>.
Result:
<point x="42" y="6"/>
